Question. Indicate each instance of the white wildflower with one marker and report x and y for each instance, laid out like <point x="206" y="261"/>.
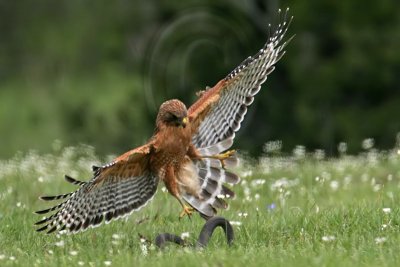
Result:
<point x="299" y="152"/>
<point x="342" y="147"/>
<point x="273" y="146"/>
<point x="73" y="252"/>
<point x="185" y="235"/>
<point x="246" y="174"/>
<point x="164" y="189"/>
<point x="367" y="143"/>
<point x="257" y="182"/>
<point x="386" y="210"/>
<point x="60" y="243"/>
<point x="328" y="238"/>
<point x="334" y="185"/>
<point x="62" y="232"/>
<point x="257" y="196"/>
<point x="283" y="183"/>
<point x="2" y="256"/>
<point x="116" y="236"/>
<point x="12" y="258"/>
<point x="19" y="204"/>
<point x="384" y="226"/>
<point x="377" y="187"/>
<point x="316" y="209"/>
<point x="50" y="252"/>
<point x="107" y="263"/>
<point x="81" y="263"/>
<point x="242" y="214"/>
<point x="143" y="248"/>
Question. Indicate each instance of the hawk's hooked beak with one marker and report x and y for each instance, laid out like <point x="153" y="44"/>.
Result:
<point x="185" y="120"/>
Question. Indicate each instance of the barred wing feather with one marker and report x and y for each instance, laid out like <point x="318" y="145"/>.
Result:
<point x="116" y="190"/>
<point x="218" y="113"/>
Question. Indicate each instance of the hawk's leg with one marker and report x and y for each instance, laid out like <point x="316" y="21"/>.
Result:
<point x="171" y="184"/>
<point x="222" y="157"/>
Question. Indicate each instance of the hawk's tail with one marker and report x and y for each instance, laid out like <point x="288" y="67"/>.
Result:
<point x="213" y="178"/>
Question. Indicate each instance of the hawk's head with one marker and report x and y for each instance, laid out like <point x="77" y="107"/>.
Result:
<point x="172" y="113"/>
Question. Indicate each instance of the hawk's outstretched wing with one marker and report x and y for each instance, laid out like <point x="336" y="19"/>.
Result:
<point x="218" y="113"/>
<point x="117" y="189"/>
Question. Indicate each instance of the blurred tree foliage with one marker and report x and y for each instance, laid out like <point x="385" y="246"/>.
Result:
<point x="95" y="72"/>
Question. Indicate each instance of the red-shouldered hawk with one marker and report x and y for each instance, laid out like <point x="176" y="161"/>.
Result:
<point x="186" y="152"/>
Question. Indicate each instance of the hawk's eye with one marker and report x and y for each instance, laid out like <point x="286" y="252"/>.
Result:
<point x="171" y="117"/>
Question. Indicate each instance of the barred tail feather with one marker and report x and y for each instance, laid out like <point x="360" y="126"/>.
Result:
<point x="212" y="179"/>
<point x="200" y="205"/>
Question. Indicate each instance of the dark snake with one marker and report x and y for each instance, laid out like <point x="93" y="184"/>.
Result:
<point x="204" y="236"/>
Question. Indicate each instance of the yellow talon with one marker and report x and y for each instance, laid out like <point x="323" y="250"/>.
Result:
<point x="186" y="211"/>
<point x="222" y="157"/>
<point x="226" y="155"/>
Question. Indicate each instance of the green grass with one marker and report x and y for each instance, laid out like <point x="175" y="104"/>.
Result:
<point x="341" y="200"/>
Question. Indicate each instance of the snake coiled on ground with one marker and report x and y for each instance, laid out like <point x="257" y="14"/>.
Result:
<point x="204" y="237"/>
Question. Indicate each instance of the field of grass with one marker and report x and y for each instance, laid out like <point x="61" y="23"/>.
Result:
<point x="290" y="210"/>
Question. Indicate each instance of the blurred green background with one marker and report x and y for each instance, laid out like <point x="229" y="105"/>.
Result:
<point x="95" y="72"/>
